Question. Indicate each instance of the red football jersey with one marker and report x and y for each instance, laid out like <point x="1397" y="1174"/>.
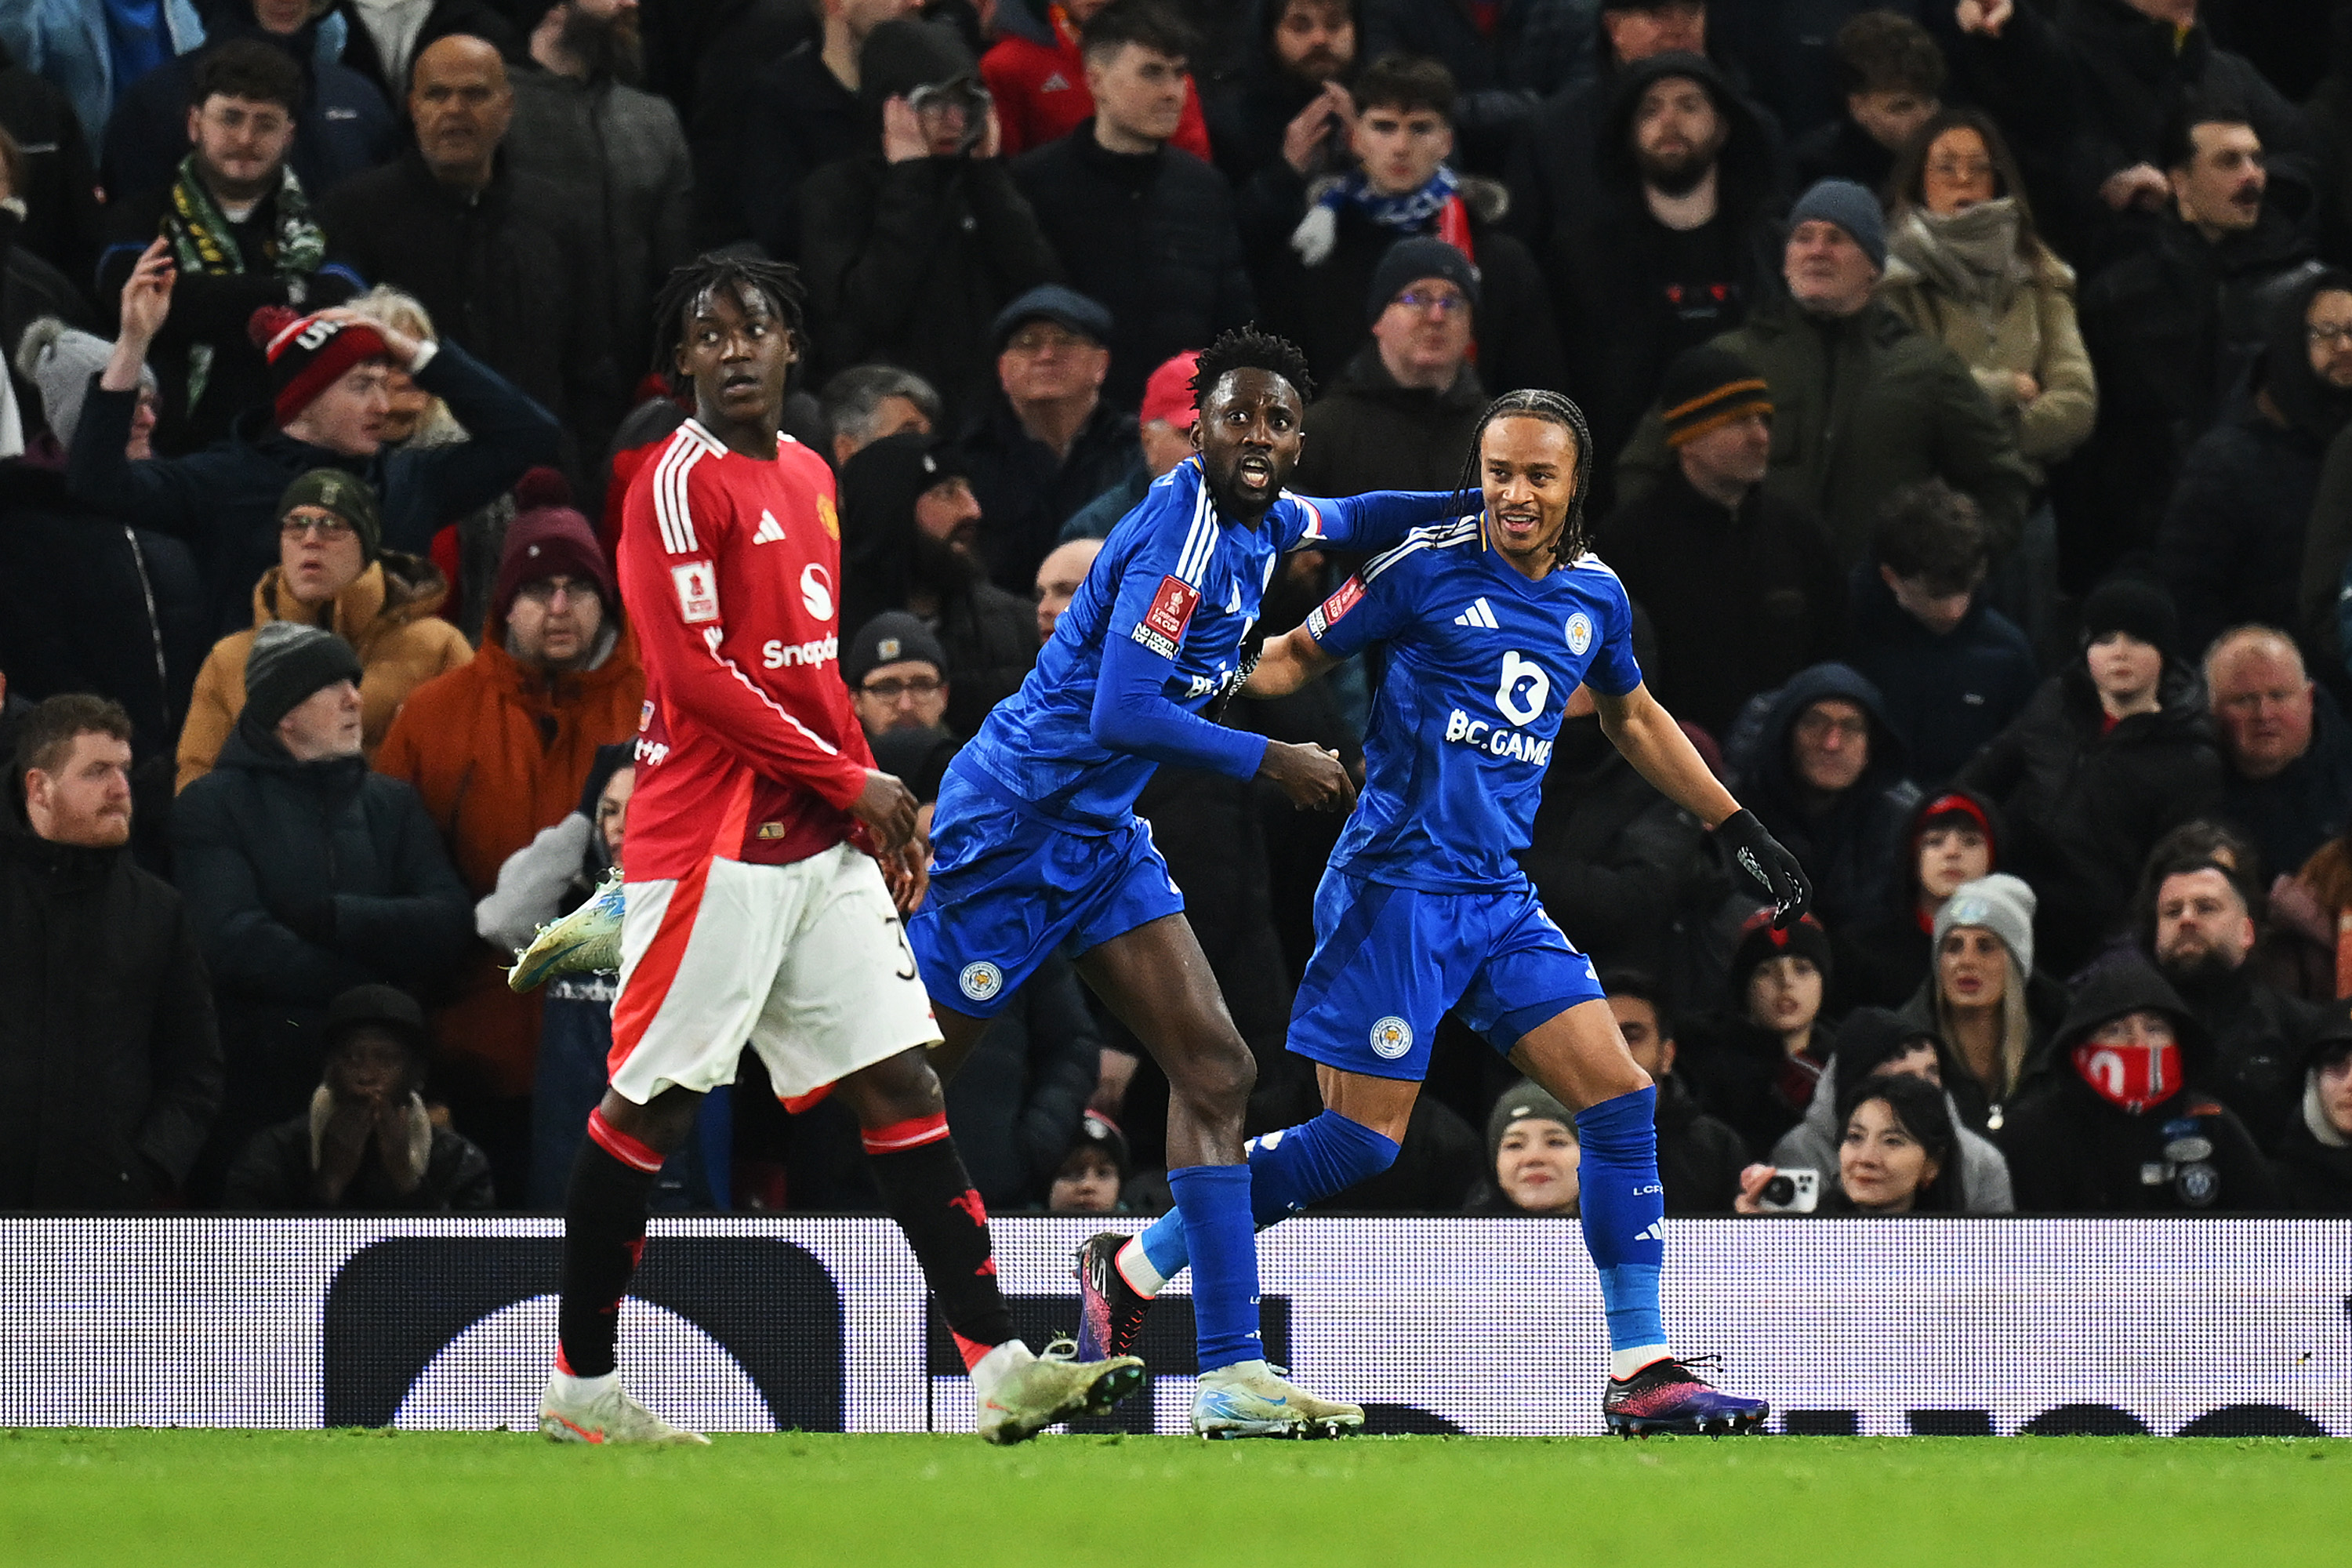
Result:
<point x="731" y="570"/>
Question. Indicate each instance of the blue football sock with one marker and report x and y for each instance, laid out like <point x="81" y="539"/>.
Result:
<point x="1622" y="1206"/>
<point x="1288" y="1170"/>
<point x="1214" y="1202"/>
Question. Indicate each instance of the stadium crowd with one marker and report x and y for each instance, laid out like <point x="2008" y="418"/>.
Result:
<point x="1972" y="381"/>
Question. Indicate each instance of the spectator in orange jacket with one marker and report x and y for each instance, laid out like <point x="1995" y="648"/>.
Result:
<point x="499" y="749"/>
<point x="1041" y="90"/>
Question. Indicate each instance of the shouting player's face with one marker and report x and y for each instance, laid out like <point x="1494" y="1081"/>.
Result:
<point x="1527" y="468"/>
<point x="1248" y="435"/>
<point x="737" y="352"/>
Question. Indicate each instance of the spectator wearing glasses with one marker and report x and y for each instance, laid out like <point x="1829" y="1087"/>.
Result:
<point x="897" y="673"/>
<point x="1826" y="773"/>
<point x="333" y="571"/>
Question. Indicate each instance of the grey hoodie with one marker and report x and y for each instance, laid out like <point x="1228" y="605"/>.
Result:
<point x="1813" y="1142"/>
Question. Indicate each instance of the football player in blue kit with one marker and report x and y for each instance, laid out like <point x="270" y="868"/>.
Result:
<point x="1039" y="848"/>
<point x="1490" y="625"/>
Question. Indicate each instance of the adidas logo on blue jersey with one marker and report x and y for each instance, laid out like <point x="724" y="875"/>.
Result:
<point x="1480" y="614"/>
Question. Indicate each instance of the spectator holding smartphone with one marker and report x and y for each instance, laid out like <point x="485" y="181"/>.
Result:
<point x="1899" y="1143"/>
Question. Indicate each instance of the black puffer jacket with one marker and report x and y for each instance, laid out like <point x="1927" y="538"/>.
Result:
<point x="1367" y="433"/>
<point x="1848" y="845"/>
<point x="2085" y="803"/>
<point x="2258" y="1037"/>
<point x="2071" y="1152"/>
<point x="109" y="1063"/>
<point x="1152" y="237"/>
<point x="304" y="879"/>
<point x="908" y="264"/>
<point x="1744" y="1075"/>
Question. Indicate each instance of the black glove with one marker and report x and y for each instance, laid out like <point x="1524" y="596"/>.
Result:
<point x="1784" y="881"/>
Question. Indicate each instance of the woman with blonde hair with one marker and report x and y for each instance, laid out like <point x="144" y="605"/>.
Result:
<point x="1976" y="997"/>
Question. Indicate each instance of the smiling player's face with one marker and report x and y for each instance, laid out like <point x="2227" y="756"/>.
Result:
<point x="1528" y="470"/>
<point x="737" y="352"/>
<point x="1248" y="435"/>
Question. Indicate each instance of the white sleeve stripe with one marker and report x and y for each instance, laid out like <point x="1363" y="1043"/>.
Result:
<point x="1201" y="542"/>
<point x="661" y="512"/>
<point x="731" y="668"/>
<point x="1444" y="537"/>
<point x="670" y="508"/>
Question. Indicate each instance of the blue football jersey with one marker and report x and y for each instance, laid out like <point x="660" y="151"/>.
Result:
<point x="1480" y="663"/>
<point x="1179" y="581"/>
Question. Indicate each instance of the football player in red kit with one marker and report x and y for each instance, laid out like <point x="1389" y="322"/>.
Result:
<point x="766" y="870"/>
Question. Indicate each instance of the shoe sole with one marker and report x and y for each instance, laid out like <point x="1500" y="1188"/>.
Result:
<point x="556" y="1430"/>
<point x="1108" y="1387"/>
<point x="1297" y="1431"/>
<point x="1684" y="1426"/>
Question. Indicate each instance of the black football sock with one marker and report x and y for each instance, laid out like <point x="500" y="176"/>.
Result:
<point x="923" y="1180"/>
<point x="603" y="1235"/>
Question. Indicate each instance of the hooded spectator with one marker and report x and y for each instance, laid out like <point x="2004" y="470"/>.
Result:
<point x="341" y="124"/>
<point x="1532" y="1157"/>
<point x="1898" y="1152"/>
<point x="1744" y="584"/>
<point x="866" y="401"/>
<point x="1874" y="1044"/>
<point x="332" y="572"/>
<point x="367" y="1141"/>
<point x="1755" y="1062"/>
<point x="1678" y="245"/>
<point x="1951" y="669"/>
<point x="327" y="408"/>
<point x="107" y="1034"/>
<point x="1968" y="267"/>
<point x="1864" y="405"/>
<point x="1044" y="92"/>
<point x="912" y="247"/>
<point x="909" y="523"/>
<point x="1504" y="64"/>
<point x="1289" y="104"/>
<point x="1052" y="443"/>
<point x="1954" y="836"/>
<point x="1400" y="414"/>
<point x="1164" y="428"/>
<point x="1825" y="771"/>
<point x="1983" y="998"/>
<point x="86" y="602"/>
<point x="2116" y="1120"/>
<point x="1139" y="224"/>
<point x="1892" y="74"/>
<point x="305" y="875"/>
<point x="2288" y="778"/>
<point x="2314" y="1158"/>
<point x="1699" y="1157"/>
<point x="241" y="231"/>
<point x="2112" y="752"/>
<point x="1320" y="252"/>
<point x="498" y="751"/>
<point x="495" y="257"/>
<point x="2231" y="547"/>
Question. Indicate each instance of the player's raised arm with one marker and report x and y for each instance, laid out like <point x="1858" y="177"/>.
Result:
<point x="1377" y="520"/>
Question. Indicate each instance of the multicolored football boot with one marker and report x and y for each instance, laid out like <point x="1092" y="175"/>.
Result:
<point x="1667" y="1397"/>
<point x="1110" y="1312"/>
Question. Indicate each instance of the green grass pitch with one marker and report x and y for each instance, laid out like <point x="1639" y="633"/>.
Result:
<point x="357" y="1498"/>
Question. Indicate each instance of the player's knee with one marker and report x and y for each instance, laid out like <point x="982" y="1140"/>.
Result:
<point x="896" y="1088"/>
<point x="1216" y="1073"/>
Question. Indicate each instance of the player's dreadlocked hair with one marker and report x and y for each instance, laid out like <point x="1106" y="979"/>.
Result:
<point x="1533" y="403"/>
<point x="1246" y="348"/>
<point x="780" y="282"/>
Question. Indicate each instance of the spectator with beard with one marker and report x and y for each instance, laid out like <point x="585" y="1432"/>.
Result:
<point x="797" y="114"/>
<point x="896" y="674"/>
<point x="1982" y="996"/>
<point x="2231" y="545"/>
<point x="1968" y="267"/>
<point x="2118" y="1119"/>
<point x="241" y="233"/>
<point x="867" y="402"/>
<point x="1743" y="584"/>
<point x="1952" y="670"/>
<point x="1953" y="837"/>
<point x="1046" y="91"/>
<point x="1755" y="1062"/>
<point x="1892" y="74"/>
<point x="2114" y="750"/>
<point x="1317" y="256"/>
<point x="1676" y="246"/>
<point x="1825" y="771"/>
<point x="581" y="124"/>
<point x="1059" y="577"/>
<point x="2288" y="782"/>
<point x="1874" y="1045"/>
<point x="2200" y="931"/>
<point x="1699" y="1157"/>
<point x="2173" y="328"/>
<point x="1506" y="60"/>
<point x="1050" y="444"/>
<point x="1290" y="105"/>
<point x="1164" y="428"/>
<point x="2314" y="1158"/>
<point x="1400" y="414"/>
<point x="909" y="528"/>
<point x="1864" y="405"/>
<point x="341" y="123"/>
<point x="911" y="249"/>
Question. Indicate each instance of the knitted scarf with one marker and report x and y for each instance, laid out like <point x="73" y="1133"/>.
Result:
<point x="202" y="241"/>
<point x="1970" y="255"/>
<point x="1317" y="234"/>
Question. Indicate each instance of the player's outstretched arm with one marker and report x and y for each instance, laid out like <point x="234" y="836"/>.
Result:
<point x="1648" y="737"/>
<point x="1286" y="663"/>
<point x="1377" y="520"/>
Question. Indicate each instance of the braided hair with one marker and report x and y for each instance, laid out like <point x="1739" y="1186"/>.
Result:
<point x="779" y="282"/>
<point x="1552" y="409"/>
<point x="1246" y="348"/>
